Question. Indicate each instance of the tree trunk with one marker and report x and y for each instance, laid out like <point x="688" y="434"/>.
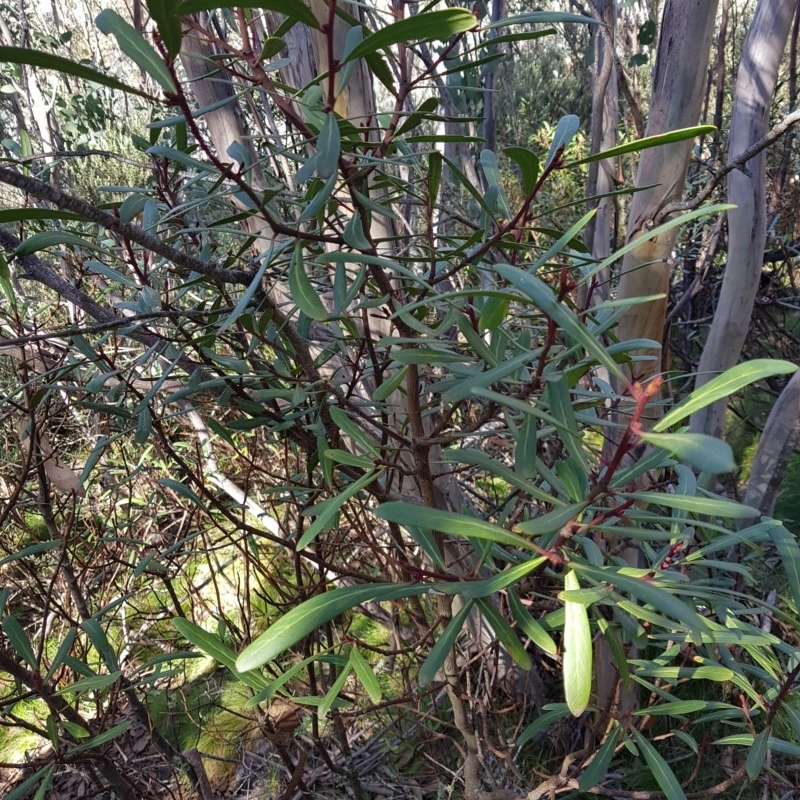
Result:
<point x="678" y="86"/>
<point x="747" y="227"/>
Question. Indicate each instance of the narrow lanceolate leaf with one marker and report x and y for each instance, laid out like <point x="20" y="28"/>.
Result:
<point x="329" y="147"/>
<point x="366" y="675"/>
<point x="303" y="293"/>
<point x="757" y="754"/>
<point x="433" y="519"/>
<point x="566" y="129"/>
<point x="45" y="239"/>
<point x="702" y="451"/>
<point x="293" y="9"/>
<point x="444" y="644"/>
<point x="592" y="775"/>
<point x="577" y="658"/>
<point x="168" y="21"/>
<point x="723" y="386"/>
<point x="658" y="767"/>
<point x="505" y="633"/>
<point x="307" y="617"/>
<point x="36" y="58"/>
<point x="19" y="641"/>
<point x="542" y="296"/>
<point x="430" y="27"/>
<point x="789" y="551"/>
<point x="711" y="506"/>
<point x="136" y="47"/>
<point x="647" y="142"/>
<point x="529" y="626"/>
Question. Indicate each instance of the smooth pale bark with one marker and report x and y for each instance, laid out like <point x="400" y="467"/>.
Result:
<point x="605" y="125"/>
<point x="778" y="441"/>
<point x="678" y="88"/>
<point x="747" y="224"/>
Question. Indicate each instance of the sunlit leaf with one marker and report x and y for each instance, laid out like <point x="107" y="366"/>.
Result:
<point x="293" y="9"/>
<point x="723" y="386"/>
<point x="428" y="27"/>
<point x="302" y="620"/>
<point x="577" y="656"/>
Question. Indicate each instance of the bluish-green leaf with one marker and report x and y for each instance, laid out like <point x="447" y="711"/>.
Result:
<point x="528" y="165"/>
<point x="136" y="47"/>
<point x="302" y="291"/>
<point x="329" y="147"/>
<point x="704" y="452"/>
<point x="543" y="298"/>
<point x="45" y="239"/>
<point x="789" y="552"/>
<point x="711" y="506"/>
<point x="565" y="131"/>
<point x="596" y="771"/>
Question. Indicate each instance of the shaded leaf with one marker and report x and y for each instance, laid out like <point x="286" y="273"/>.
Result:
<point x="529" y="626"/>
<point x="293" y="9"/>
<point x="135" y="46"/>
<point x="444" y="644"/>
<point x="566" y="129"/>
<point x="659" y="768"/>
<point x="366" y="675"/>
<point x="706" y="453"/>
<point x="36" y="58"/>
<point x="303" y="293"/>
<point x="20" y="642"/>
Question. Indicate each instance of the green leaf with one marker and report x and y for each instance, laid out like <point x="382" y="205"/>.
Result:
<point x="293" y="9"/>
<point x="329" y="147"/>
<point x="505" y="633"/>
<point x="45" y="775"/>
<point x="350" y="428"/>
<point x="35" y="58"/>
<point x="366" y="675"/>
<point x="62" y="652"/>
<point x="102" y="738"/>
<point x="543" y="722"/>
<point x="302" y="620"/>
<point x="704" y="452"/>
<point x="45" y="239"/>
<point x="541" y="17"/>
<point x="658" y="767"/>
<point x="332" y="698"/>
<point x="134" y="45"/>
<point x="644" y="144"/>
<point x="596" y="771"/>
<point x="543" y="298"/>
<point x="725" y="385"/>
<point x="789" y="552"/>
<point x="577" y="656"/>
<point x="444" y="645"/>
<point x="528" y="165"/>
<point x="213" y="646"/>
<point x="74" y="730"/>
<point x="20" y="642"/>
<point x="565" y="131"/>
<point x="92" y="684"/>
<point x="530" y="626"/>
<point x="658" y="597"/>
<point x="552" y="521"/>
<point x="434" y="519"/>
<point x="327" y="510"/>
<point x="429" y="27"/>
<point x="757" y="754"/>
<point x="168" y="21"/>
<point x="711" y="506"/>
<point x="303" y="293"/>
<point x="390" y="385"/>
